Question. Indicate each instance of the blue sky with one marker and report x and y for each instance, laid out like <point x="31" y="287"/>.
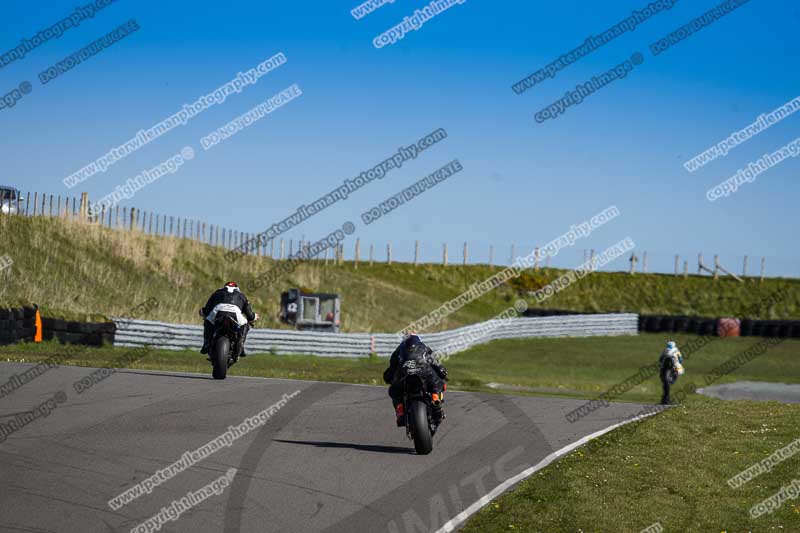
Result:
<point x="523" y="182"/>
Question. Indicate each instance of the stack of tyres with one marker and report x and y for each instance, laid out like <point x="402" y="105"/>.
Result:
<point x="653" y="324"/>
<point x="7" y="327"/>
<point x="20" y="325"/>
<point x="17" y="324"/>
<point x="746" y="327"/>
<point x="28" y="325"/>
<point x="55" y="328"/>
<point x="706" y="327"/>
<point x="680" y="324"/>
<point x="771" y="329"/>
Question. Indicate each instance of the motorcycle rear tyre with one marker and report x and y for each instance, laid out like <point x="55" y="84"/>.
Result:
<point x="219" y="357"/>
<point x="421" y="431"/>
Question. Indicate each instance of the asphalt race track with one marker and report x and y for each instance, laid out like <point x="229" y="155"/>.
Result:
<point x="331" y="459"/>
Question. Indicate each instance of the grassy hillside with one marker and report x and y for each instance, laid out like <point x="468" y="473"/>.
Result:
<point x="78" y="270"/>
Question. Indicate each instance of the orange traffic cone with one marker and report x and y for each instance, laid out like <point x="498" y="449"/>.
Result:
<point x="37" y="337"/>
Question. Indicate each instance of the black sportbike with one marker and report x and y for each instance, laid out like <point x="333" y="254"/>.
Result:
<point x="226" y="344"/>
<point x="418" y="403"/>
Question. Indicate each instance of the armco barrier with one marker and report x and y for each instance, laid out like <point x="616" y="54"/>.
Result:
<point x="180" y="336"/>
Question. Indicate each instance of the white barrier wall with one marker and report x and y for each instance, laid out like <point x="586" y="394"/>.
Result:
<point x="180" y="336"/>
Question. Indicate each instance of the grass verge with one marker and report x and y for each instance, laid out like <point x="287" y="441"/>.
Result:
<point x="670" y="469"/>
<point x="571" y="367"/>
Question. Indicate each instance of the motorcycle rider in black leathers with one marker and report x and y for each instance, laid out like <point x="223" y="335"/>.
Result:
<point x="228" y="299"/>
<point x="435" y="380"/>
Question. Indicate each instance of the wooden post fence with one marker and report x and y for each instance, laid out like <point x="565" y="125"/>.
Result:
<point x="84" y="205"/>
<point x="701" y="266"/>
<point x="718" y="266"/>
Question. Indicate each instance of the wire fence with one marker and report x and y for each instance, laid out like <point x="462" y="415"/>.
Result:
<point x="128" y="219"/>
<point x="134" y="219"/>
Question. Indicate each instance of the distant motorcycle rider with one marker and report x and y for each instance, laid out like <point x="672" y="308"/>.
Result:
<point x="671" y="366"/>
<point x="229" y="299"/>
<point x="412" y="347"/>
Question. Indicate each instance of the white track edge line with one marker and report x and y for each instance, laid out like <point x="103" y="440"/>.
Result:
<point x="461" y="517"/>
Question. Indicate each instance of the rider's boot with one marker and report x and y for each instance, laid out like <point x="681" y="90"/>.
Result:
<point x="399" y="411"/>
<point x="245" y="331"/>
<point x="207" y="332"/>
<point x="437" y="411"/>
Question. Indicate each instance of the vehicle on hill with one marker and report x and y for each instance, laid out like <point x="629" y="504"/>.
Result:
<point x="315" y="311"/>
<point x="10" y="198"/>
